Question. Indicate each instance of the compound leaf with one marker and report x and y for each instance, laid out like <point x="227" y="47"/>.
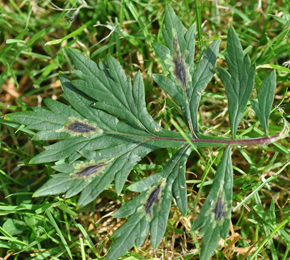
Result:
<point x="106" y="130"/>
<point x="106" y="147"/>
<point x="262" y="106"/>
<point x="239" y="81"/>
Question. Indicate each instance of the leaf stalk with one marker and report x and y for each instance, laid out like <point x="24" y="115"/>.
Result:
<point x="219" y="142"/>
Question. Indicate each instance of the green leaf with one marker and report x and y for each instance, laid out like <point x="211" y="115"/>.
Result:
<point x="59" y="183"/>
<point x="200" y="79"/>
<point x="173" y="22"/>
<point x="209" y="242"/>
<point x="214" y="217"/>
<point x="40" y="118"/>
<point x="186" y="84"/>
<point x="145" y="183"/>
<point x="171" y="88"/>
<point x="186" y="40"/>
<point x="176" y="166"/>
<point x="180" y="193"/>
<point x="190" y="40"/>
<point x="61" y="150"/>
<point x="119" y="168"/>
<point x="159" y="222"/>
<point x="134" y="231"/>
<point x="262" y="106"/>
<point x="130" y="207"/>
<point x="145" y="214"/>
<point x="114" y="92"/>
<point x="109" y="148"/>
<point x="14" y="227"/>
<point x="105" y="130"/>
<point x="239" y="81"/>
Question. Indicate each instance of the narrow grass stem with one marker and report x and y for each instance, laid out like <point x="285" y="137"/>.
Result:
<point x="260" y="187"/>
<point x="266" y="240"/>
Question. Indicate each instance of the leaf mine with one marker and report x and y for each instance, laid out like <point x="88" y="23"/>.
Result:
<point x="76" y="127"/>
<point x="88" y="170"/>
<point x="80" y="127"/>
<point x="179" y="68"/>
<point x="152" y="199"/>
<point x="219" y="209"/>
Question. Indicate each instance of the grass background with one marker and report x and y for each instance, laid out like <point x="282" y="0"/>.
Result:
<point x="33" y="37"/>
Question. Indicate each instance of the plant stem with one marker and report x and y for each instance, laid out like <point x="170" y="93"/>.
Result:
<point x="225" y="142"/>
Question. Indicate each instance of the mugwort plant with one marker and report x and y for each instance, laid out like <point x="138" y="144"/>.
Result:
<point x="107" y="130"/>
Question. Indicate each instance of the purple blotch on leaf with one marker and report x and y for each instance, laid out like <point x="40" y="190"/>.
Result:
<point x="153" y="198"/>
<point x="80" y="127"/>
<point x="218" y="210"/>
<point x="179" y="70"/>
<point x="88" y="171"/>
